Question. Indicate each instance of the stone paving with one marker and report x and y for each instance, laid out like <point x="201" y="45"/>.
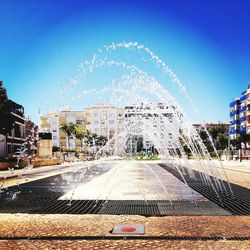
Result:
<point x="124" y="244"/>
<point x="101" y="225"/>
<point x="237" y="172"/>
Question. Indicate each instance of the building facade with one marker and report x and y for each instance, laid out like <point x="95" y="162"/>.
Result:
<point x="102" y="120"/>
<point x="10" y="143"/>
<point x="240" y="115"/>
<point x="53" y="122"/>
<point x="159" y="114"/>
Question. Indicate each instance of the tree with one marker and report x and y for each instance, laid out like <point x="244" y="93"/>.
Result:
<point x="80" y="135"/>
<point x="219" y="135"/>
<point x="241" y="138"/>
<point x="140" y="144"/>
<point x="203" y="135"/>
<point x="7" y="119"/>
<point x="183" y="141"/>
<point x="222" y="141"/>
<point x="70" y="130"/>
<point x="55" y="149"/>
<point x="101" y="140"/>
<point x="215" y="130"/>
<point x="92" y="139"/>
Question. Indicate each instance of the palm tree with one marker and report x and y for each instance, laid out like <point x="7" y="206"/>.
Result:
<point x="70" y="130"/>
<point x="80" y="135"/>
<point x="89" y="138"/>
<point x="101" y="140"/>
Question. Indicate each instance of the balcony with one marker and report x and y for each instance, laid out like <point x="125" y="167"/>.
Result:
<point x="243" y="98"/>
<point x="16" y="108"/>
<point x="243" y="130"/>
<point x="243" y="109"/>
<point x="233" y="132"/>
<point x="235" y="122"/>
<point x="243" y="119"/>
<point x="235" y="112"/>
<point x="232" y="104"/>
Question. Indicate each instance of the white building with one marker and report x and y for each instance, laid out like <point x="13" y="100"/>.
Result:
<point x="151" y="118"/>
<point x="53" y="123"/>
<point x="102" y="120"/>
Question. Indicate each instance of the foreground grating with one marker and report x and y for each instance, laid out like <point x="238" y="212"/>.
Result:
<point x="237" y="205"/>
<point x="129" y="237"/>
<point x="41" y="197"/>
<point x="41" y="205"/>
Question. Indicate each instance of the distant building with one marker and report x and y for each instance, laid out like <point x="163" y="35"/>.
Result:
<point x="240" y="115"/>
<point x="31" y="129"/>
<point x="200" y="126"/>
<point x="53" y="122"/>
<point x="13" y="141"/>
<point x="160" y="111"/>
<point x="45" y="145"/>
<point x="102" y="120"/>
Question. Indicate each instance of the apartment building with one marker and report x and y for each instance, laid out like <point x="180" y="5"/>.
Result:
<point x="161" y="112"/>
<point x="53" y="122"/>
<point x="10" y="143"/>
<point x="102" y="120"/>
<point x="240" y="115"/>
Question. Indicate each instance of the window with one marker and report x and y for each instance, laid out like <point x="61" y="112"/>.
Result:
<point x="9" y="149"/>
<point x="79" y="122"/>
<point x="16" y="148"/>
<point x="18" y="132"/>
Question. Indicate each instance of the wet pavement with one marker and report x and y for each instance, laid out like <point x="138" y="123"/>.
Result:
<point x="134" y="181"/>
<point x="113" y="188"/>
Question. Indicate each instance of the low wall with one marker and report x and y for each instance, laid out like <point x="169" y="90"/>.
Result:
<point x="6" y="165"/>
<point x="45" y="162"/>
<point x="35" y="163"/>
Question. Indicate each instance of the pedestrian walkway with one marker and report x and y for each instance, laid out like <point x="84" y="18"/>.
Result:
<point x="237" y="172"/>
<point x="27" y="174"/>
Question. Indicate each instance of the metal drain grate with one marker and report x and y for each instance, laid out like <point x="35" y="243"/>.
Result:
<point x="128" y="237"/>
<point x="39" y="197"/>
<point x="51" y="205"/>
<point x="237" y="205"/>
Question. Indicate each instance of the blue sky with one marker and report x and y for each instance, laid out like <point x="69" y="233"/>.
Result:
<point x="206" y="43"/>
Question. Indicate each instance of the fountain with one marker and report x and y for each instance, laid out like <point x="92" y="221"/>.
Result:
<point x="146" y="110"/>
<point x="149" y="111"/>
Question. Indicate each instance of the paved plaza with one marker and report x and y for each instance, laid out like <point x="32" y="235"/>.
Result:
<point x="236" y="171"/>
<point x="134" y="181"/>
<point x="34" y="231"/>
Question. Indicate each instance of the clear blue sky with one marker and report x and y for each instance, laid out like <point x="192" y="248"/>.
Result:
<point x="205" y="42"/>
